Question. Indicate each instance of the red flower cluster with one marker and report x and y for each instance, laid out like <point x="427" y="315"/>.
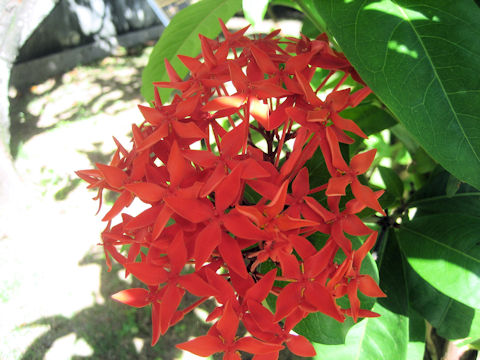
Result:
<point x="198" y="163"/>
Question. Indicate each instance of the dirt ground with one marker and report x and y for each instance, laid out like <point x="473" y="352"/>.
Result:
<point x="54" y="288"/>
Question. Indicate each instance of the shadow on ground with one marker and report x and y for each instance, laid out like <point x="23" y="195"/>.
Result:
<point x="112" y="329"/>
<point x="118" y="332"/>
<point x="114" y="80"/>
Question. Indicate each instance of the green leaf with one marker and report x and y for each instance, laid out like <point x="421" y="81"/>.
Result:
<point x="416" y="336"/>
<point x="370" y="118"/>
<point x="404" y="136"/>
<point x="254" y="10"/>
<point x="392" y="276"/>
<point x="445" y="251"/>
<point x="382" y="338"/>
<point x="422" y="162"/>
<point x="433" y="198"/>
<point x="180" y="37"/>
<point x="392" y="181"/>
<point x="309" y="29"/>
<point x="421" y="58"/>
<point x="450" y="318"/>
<point x="308" y="8"/>
<point x="323" y="329"/>
<point x="453" y="184"/>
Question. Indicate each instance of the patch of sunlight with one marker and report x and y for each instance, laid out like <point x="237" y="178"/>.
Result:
<point x="376" y="179"/>
<point x="396" y="10"/>
<point x="262" y="145"/>
<point x="197" y="145"/>
<point x="411" y="212"/>
<point x="289" y="27"/>
<point x="405" y="158"/>
<point x="201" y="314"/>
<point x="138" y="343"/>
<point x="386" y="162"/>
<point x="373" y="141"/>
<point x="15" y="340"/>
<point x="402" y="49"/>
<point x="68" y="346"/>
<point x="136" y="207"/>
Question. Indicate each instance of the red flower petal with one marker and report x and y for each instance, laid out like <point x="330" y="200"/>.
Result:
<point x="206" y="241"/>
<point x="228" y="324"/>
<point x="369" y="287"/>
<point x="147" y="192"/>
<point x="205" y="345"/>
<point x="360" y="163"/>
<point x="260" y="290"/>
<point x="366" y="196"/>
<point x="337" y="185"/>
<point x="254" y="346"/>
<point x="146" y="273"/>
<point x="136" y="297"/>
<point x="232" y="255"/>
<point x="194" y="210"/>
<point x="114" y="176"/>
<point x="299" y="345"/>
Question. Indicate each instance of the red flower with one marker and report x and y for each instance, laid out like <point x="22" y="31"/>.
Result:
<point x="224" y="171"/>
<point x="221" y="338"/>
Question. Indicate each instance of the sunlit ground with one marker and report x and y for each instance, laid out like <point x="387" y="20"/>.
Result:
<point x="54" y="287"/>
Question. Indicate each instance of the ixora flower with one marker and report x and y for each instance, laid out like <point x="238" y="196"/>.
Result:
<point x="230" y="213"/>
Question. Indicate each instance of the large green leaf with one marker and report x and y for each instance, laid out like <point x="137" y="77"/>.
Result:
<point x="450" y="318"/>
<point x="416" y="336"/>
<point x="421" y="58"/>
<point x="392" y="275"/>
<point x="382" y="338"/>
<point x="444" y="249"/>
<point x="180" y="37"/>
<point x="434" y="198"/>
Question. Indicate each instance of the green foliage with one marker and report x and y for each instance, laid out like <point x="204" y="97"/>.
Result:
<point x="432" y="246"/>
<point x="382" y="338"/>
<point x="421" y="59"/>
<point x="181" y="38"/>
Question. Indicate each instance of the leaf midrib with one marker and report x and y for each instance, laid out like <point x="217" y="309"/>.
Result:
<point x="415" y="203"/>
<point x="441" y="244"/>
<point x="405" y="16"/>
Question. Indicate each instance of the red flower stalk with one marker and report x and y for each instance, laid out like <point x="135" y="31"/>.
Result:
<point x="226" y="192"/>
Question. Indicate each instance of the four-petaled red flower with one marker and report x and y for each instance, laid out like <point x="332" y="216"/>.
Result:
<point x="224" y="173"/>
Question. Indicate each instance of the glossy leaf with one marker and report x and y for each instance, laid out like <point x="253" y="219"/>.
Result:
<point x="392" y="181"/>
<point x="445" y="251"/>
<point x="382" y="338"/>
<point x="181" y="37"/>
<point x="392" y="275"/>
<point x="416" y="336"/>
<point x="370" y="118"/>
<point x="434" y="198"/>
<point x="409" y="294"/>
<point x="420" y="58"/>
<point x="450" y="318"/>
